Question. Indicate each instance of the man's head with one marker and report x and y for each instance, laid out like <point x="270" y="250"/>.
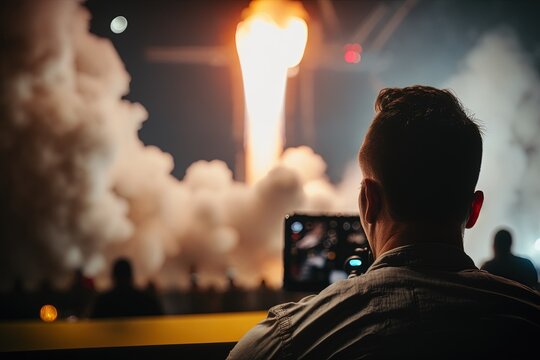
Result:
<point x="502" y="242"/>
<point x="122" y="272"/>
<point x="421" y="156"/>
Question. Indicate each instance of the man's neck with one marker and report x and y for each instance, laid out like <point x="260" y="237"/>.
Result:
<point x="400" y="234"/>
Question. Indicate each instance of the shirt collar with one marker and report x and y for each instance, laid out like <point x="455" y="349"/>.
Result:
<point x="437" y="256"/>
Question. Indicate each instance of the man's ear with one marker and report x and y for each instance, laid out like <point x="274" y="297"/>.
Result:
<point x="371" y="200"/>
<point x="476" y="205"/>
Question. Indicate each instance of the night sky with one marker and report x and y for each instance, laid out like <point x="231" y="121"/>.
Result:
<point x="191" y="108"/>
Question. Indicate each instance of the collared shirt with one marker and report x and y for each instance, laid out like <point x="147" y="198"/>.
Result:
<point x="427" y="299"/>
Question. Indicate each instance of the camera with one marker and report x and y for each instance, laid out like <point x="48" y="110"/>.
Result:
<point x="322" y="249"/>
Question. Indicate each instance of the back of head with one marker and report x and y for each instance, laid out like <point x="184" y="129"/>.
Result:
<point x="502" y="242"/>
<point x="426" y="153"/>
<point x="122" y="272"/>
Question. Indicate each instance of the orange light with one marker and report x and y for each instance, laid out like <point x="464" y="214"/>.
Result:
<point x="267" y="48"/>
<point x="48" y="313"/>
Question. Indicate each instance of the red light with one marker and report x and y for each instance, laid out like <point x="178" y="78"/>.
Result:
<point x="352" y="53"/>
<point x="352" y="57"/>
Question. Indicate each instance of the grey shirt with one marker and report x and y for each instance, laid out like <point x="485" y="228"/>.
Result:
<point x="426" y="300"/>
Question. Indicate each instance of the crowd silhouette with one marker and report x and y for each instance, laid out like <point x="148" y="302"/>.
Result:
<point x="81" y="300"/>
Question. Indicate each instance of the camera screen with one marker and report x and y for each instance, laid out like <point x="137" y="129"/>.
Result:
<point x="316" y="248"/>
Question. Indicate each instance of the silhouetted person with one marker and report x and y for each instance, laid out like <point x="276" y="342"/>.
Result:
<point x="79" y="295"/>
<point x="124" y="300"/>
<point x="197" y="295"/>
<point x="233" y="298"/>
<point x="266" y="296"/>
<point x="422" y="297"/>
<point x="508" y="265"/>
<point x="201" y="299"/>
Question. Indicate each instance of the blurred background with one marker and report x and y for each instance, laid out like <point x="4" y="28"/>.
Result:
<point x="126" y="137"/>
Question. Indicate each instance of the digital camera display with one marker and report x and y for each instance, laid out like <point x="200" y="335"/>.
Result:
<point x="317" y="247"/>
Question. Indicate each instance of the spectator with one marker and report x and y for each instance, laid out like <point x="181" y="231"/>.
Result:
<point x="508" y="265"/>
<point x="79" y="295"/>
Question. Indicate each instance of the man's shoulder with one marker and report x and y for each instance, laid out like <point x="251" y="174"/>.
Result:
<point x="524" y="261"/>
<point x="360" y="289"/>
<point x="377" y="305"/>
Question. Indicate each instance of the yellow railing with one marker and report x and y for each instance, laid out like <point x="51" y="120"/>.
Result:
<point x="164" y="330"/>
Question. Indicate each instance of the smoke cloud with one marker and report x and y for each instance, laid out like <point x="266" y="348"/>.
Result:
<point x="499" y="83"/>
<point x="80" y="189"/>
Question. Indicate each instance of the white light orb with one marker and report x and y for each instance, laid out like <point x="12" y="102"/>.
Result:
<point x="537" y="244"/>
<point x="119" y="24"/>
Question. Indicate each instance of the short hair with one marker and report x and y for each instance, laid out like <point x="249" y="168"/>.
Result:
<point x="502" y="241"/>
<point x="425" y="151"/>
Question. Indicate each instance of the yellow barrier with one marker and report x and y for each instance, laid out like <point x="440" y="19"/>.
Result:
<point x="164" y="330"/>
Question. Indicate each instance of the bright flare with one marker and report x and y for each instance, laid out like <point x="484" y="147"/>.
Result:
<point x="267" y="50"/>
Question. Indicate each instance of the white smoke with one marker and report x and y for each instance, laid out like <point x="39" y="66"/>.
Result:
<point x="62" y="118"/>
<point x="79" y="188"/>
<point x="499" y="83"/>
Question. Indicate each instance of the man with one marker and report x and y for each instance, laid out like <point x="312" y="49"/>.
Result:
<point x="422" y="297"/>
<point x="508" y="265"/>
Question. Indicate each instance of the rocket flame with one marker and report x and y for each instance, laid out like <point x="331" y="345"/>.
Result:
<point x="267" y="47"/>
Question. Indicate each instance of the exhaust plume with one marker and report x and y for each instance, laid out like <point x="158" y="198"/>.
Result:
<point x="270" y="40"/>
<point x="79" y="188"/>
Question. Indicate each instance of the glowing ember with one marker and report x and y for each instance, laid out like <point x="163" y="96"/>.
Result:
<point x="48" y="313"/>
<point x="268" y="44"/>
